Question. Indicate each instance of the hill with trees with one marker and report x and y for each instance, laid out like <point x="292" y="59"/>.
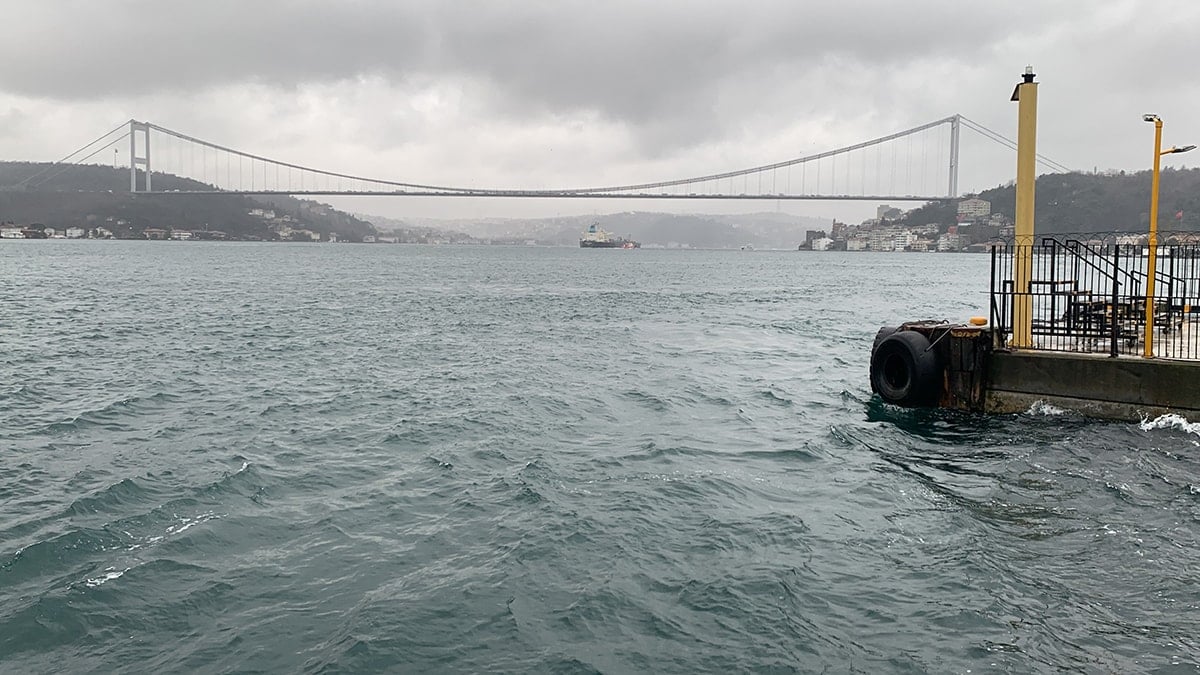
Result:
<point x="1091" y="202"/>
<point x="90" y="196"/>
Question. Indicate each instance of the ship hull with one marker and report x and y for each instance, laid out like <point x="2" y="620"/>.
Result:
<point x="598" y="238"/>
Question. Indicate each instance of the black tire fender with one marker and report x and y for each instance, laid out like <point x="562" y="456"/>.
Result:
<point x="905" y="371"/>
<point x="883" y="333"/>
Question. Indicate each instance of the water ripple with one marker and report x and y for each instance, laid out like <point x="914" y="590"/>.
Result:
<point x="442" y="459"/>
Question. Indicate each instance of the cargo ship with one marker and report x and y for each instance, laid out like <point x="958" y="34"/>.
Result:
<point x="596" y="237"/>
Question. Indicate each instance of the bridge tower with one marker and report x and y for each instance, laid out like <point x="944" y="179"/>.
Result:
<point x="954" y="128"/>
<point x="134" y="159"/>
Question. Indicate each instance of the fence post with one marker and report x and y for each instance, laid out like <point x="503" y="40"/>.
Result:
<point x="992" y="292"/>
<point x="1171" y="337"/>
<point x="1114" y="324"/>
<point x="1056" y="341"/>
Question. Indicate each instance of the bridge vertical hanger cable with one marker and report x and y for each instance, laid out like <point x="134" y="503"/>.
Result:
<point x="908" y="166"/>
<point x="929" y="153"/>
<point x="939" y="153"/>
<point x="918" y="177"/>
<point x="945" y="153"/>
<point x="924" y="161"/>
<point x="301" y="179"/>
<point x="863" y="181"/>
<point x="879" y="171"/>
<point x="892" y="174"/>
<point x="849" y="161"/>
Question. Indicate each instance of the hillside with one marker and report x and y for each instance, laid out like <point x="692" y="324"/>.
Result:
<point x="761" y="230"/>
<point x="98" y="196"/>
<point x="1092" y="202"/>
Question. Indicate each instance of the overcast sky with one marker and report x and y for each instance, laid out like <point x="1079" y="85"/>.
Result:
<point x="562" y="93"/>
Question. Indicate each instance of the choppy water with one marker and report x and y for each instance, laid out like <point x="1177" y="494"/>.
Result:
<point x="239" y="457"/>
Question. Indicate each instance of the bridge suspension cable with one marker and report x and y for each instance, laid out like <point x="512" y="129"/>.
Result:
<point x="75" y="157"/>
<point x="298" y="167"/>
<point x="1010" y="144"/>
<point x="231" y="170"/>
<point x="915" y="164"/>
<point x="770" y="167"/>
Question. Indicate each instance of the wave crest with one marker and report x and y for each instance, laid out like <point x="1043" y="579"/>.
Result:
<point x="1170" y="421"/>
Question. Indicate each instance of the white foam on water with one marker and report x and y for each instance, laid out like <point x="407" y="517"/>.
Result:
<point x="185" y="523"/>
<point x="109" y="574"/>
<point x="188" y="523"/>
<point x="1045" y="409"/>
<point x="1170" y="421"/>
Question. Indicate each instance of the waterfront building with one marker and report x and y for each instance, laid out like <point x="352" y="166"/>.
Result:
<point x="949" y="242"/>
<point x="972" y="208"/>
<point x="885" y="212"/>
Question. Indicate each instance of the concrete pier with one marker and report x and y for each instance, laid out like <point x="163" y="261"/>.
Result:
<point x="1125" y="387"/>
<point x="1054" y="305"/>
<point x="965" y="367"/>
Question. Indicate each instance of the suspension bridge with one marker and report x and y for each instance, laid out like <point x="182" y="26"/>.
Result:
<point x="915" y="164"/>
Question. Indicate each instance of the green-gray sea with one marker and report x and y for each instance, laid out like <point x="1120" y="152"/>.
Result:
<point x="225" y="457"/>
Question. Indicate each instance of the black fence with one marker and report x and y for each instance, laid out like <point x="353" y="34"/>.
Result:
<point x="1090" y="295"/>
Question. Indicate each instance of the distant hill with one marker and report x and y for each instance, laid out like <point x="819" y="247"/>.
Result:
<point x="761" y="230"/>
<point x="1091" y="202"/>
<point x="405" y="232"/>
<point x="94" y="195"/>
<point x="98" y="196"/>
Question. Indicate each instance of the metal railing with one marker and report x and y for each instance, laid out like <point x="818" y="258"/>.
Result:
<point x="1088" y="295"/>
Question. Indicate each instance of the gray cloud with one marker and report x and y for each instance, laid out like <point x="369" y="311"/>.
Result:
<point x="546" y="93"/>
<point x="630" y="61"/>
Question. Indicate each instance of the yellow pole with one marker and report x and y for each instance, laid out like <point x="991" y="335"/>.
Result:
<point x="1026" y="96"/>
<point x="1152" y="262"/>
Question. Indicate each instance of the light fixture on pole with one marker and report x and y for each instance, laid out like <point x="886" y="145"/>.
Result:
<point x="1152" y="262"/>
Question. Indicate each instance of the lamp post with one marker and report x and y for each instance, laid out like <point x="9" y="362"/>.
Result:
<point x="1151" y="266"/>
